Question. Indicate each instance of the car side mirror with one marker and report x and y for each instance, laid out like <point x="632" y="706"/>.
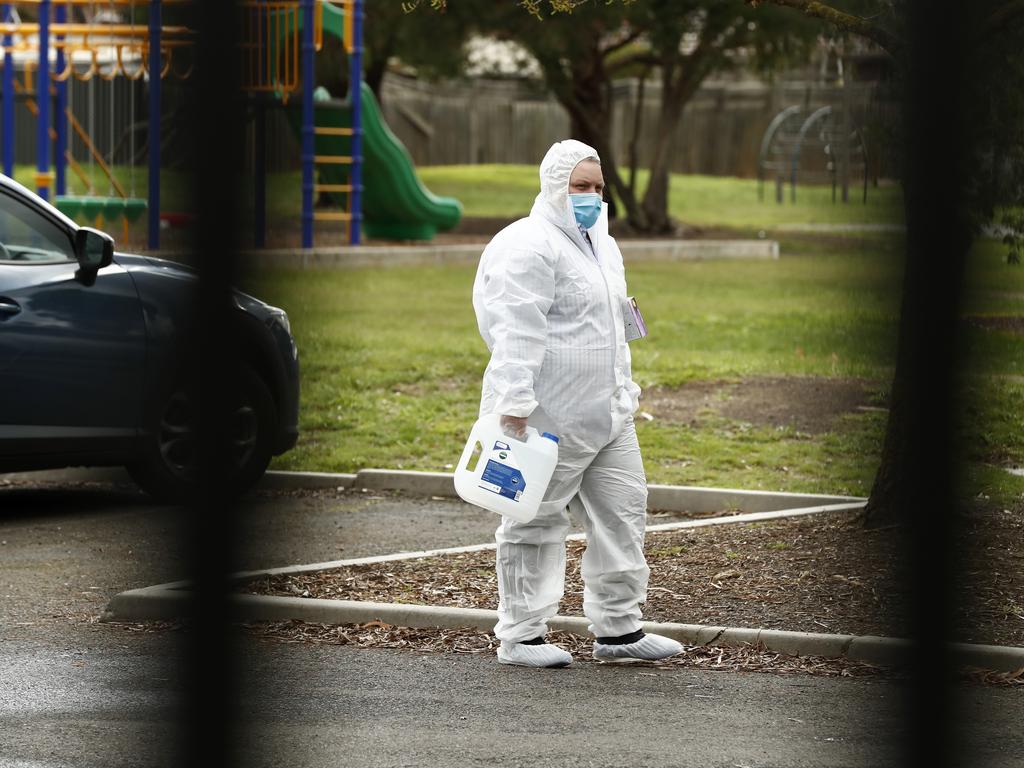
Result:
<point x="93" y="249"/>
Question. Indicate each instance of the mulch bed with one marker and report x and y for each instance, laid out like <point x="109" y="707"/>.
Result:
<point x="817" y="573"/>
<point x="377" y="634"/>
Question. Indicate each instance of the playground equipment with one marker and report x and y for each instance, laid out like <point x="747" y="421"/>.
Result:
<point x="395" y="205"/>
<point x="52" y="48"/>
<point x="361" y="166"/>
<point x="794" y="130"/>
<point x="279" y="42"/>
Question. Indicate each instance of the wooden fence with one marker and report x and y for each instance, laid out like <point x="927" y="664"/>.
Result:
<point x="503" y="122"/>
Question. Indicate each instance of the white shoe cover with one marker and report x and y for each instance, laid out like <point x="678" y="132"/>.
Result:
<point x="647" y="648"/>
<point x="521" y="655"/>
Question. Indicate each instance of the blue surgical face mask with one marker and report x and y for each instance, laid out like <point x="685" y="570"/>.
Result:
<point x="586" y="206"/>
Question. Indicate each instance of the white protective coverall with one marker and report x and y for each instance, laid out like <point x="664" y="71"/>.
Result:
<point x="550" y="311"/>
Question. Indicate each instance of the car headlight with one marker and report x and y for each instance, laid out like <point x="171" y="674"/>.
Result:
<point x="281" y="317"/>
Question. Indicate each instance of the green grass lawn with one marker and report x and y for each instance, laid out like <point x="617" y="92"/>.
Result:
<point x="392" y="362"/>
<point x="392" y="359"/>
<point x="719" y="201"/>
<point x="509" y="191"/>
<point x="174" y="185"/>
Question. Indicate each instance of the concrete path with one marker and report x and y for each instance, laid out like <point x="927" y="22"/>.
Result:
<point x="166" y="601"/>
<point x="343" y="256"/>
<point x="76" y="692"/>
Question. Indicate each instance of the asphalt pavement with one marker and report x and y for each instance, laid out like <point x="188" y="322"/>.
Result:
<point x="76" y="692"/>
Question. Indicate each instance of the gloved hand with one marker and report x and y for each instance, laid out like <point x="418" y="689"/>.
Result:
<point x="514" y="426"/>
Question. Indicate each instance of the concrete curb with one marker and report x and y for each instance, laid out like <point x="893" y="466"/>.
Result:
<point x="161" y="604"/>
<point x="674" y="526"/>
<point x="306" y="480"/>
<point x="840" y="228"/>
<point x="167" y="602"/>
<point x="669" y="498"/>
<point x="343" y="257"/>
<point x="673" y="498"/>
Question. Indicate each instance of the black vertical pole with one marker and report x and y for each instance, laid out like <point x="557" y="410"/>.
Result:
<point x="154" y="65"/>
<point x="217" y="150"/>
<point x="262" y="25"/>
<point x="938" y="239"/>
<point x="260" y="176"/>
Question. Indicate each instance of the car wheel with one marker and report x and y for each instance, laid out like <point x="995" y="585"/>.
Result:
<point x="168" y="467"/>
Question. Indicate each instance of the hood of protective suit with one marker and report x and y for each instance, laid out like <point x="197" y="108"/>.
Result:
<point x="555" y="169"/>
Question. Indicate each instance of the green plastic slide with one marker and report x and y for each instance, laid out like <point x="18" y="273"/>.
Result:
<point x="396" y="205"/>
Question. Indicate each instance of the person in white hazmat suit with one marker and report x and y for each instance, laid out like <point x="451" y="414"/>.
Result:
<point x="548" y="298"/>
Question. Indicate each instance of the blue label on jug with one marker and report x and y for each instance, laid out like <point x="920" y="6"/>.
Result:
<point x="503" y="480"/>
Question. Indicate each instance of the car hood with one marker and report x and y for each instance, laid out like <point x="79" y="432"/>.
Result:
<point x="164" y="269"/>
<point x="133" y="262"/>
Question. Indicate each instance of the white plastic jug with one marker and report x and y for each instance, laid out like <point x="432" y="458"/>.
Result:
<point x="510" y="476"/>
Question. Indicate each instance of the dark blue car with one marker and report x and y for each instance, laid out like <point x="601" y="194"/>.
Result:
<point x="91" y="369"/>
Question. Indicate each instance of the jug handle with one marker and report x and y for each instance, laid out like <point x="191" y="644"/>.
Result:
<point x="468" y="451"/>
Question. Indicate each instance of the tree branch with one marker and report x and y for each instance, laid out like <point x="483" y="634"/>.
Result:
<point x="845" y="21"/>
<point x="687" y="71"/>
<point x="999" y="19"/>
<point x="633" y="35"/>
<point x="646" y="58"/>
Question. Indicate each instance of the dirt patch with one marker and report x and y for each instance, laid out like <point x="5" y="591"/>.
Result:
<point x="804" y="403"/>
<point x="1001" y="323"/>
<point x="818" y="573"/>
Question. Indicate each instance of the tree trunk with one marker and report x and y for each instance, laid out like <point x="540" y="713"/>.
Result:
<point x="590" y="120"/>
<point x="655" y="204"/>
<point x="378" y="50"/>
<point x="634" y="151"/>
<point x="374" y="75"/>
<point x="923" y="392"/>
<point x="890" y="493"/>
<point x="583" y="128"/>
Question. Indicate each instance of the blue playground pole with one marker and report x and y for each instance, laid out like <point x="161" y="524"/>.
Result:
<point x="259" y="186"/>
<point x="355" y="88"/>
<point x="260" y="177"/>
<point x="308" y="144"/>
<point x="7" y="94"/>
<point x="59" y="118"/>
<point x="43" y="103"/>
<point x="153" y="205"/>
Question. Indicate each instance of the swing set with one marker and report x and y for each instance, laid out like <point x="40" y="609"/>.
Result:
<point x="51" y="52"/>
<point x="279" y="41"/>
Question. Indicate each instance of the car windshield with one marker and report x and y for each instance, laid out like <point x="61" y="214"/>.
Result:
<point x="28" y="236"/>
